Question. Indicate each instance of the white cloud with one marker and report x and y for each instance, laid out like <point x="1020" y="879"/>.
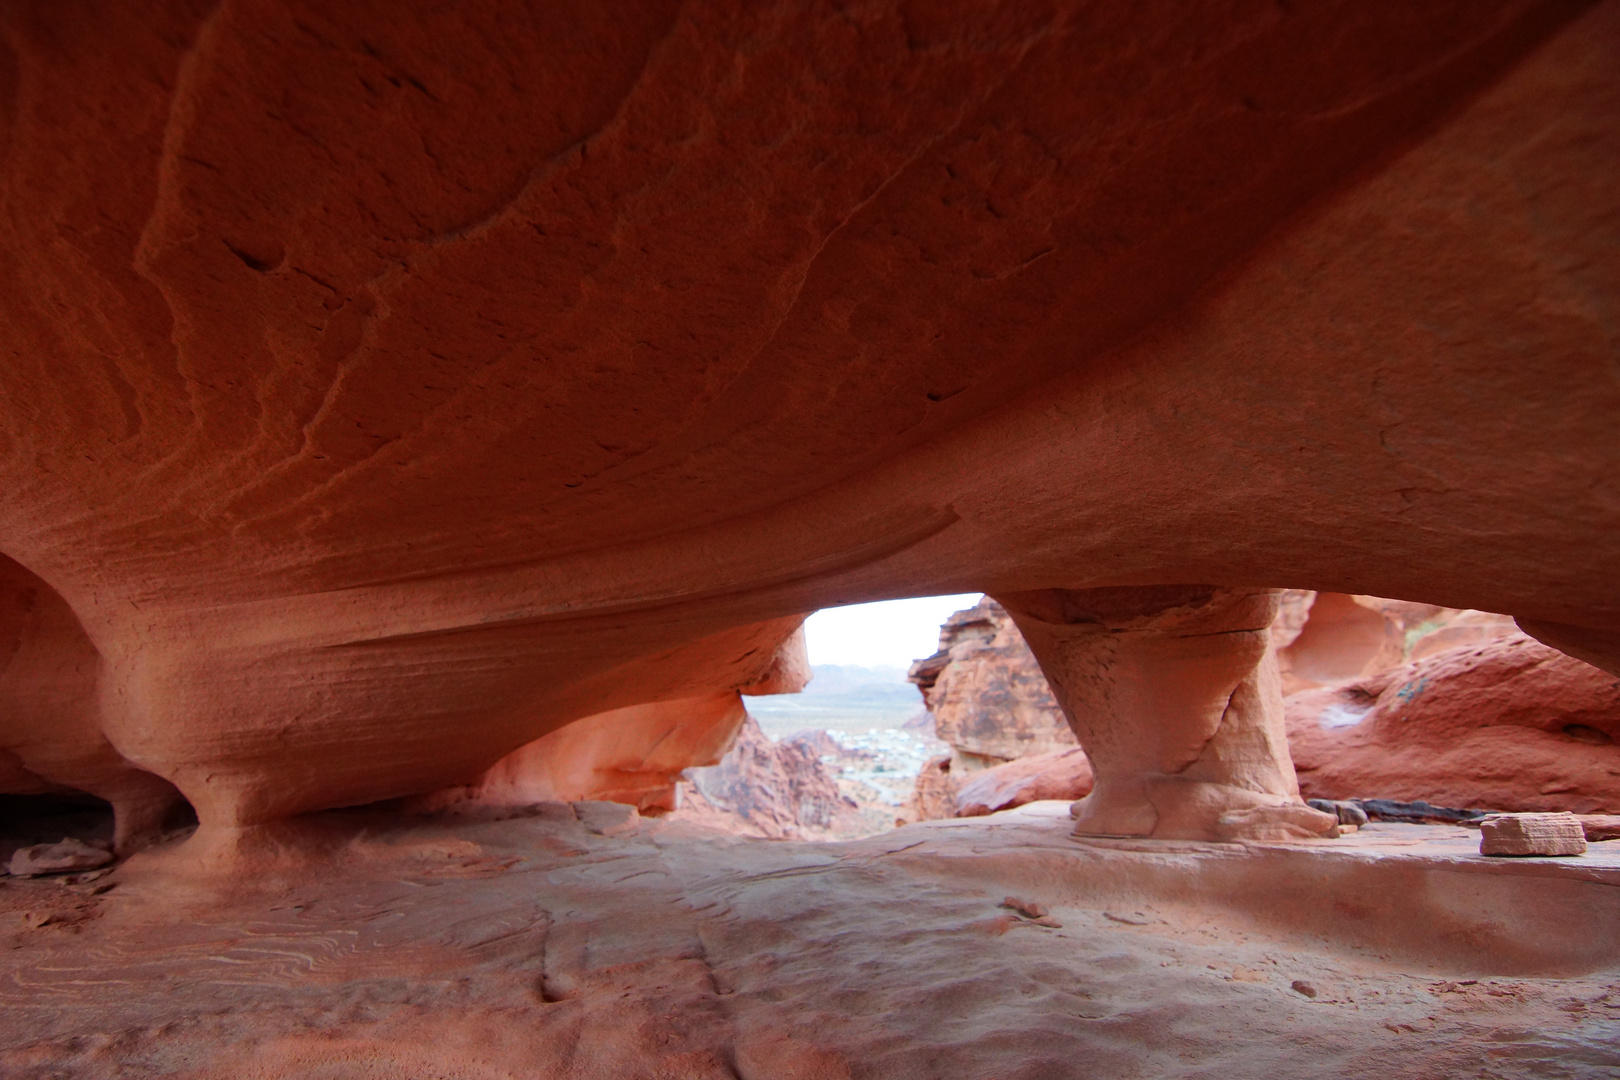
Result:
<point x="890" y="633"/>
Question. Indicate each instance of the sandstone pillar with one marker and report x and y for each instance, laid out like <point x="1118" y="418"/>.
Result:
<point x="50" y="722"/>
<point x="1174" y="694"/>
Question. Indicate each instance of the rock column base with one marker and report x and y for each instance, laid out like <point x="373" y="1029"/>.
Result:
<point x="1174" y="694"/>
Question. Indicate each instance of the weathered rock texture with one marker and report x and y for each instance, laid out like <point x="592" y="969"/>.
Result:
<point x="1175" y="696"/>
<point x="764" y="788"/>
<point x="385" y="387"/>
<point x="535" y="947"/>
<point x="50" y="712"/>
<point x="1056" y="774"/>
<point x="1340" y="653"/>
<point x="933" y="796"/>
<point x="1326" y="638"/>
<point x="986" y="692"/>
<point x="64" y="855"/>
<point x="635" y="755"/>
<point x="1507" y="725"/>
<point x="1531" y="834"/>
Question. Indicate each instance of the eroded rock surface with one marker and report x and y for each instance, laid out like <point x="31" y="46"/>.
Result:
<point x="1175" y="696"/>
<point x="1531" y="834"/>
<point x="65" y="855"/>
<point x="636" y="755"/>
<point x="1324" y="638"/>
<point x="1056" y="774"/>
<point x="764" y="787"/>
<point x="1508" y="725"/>
<point x="386" y="389"/>
<point x="51" y="738"/>
<point x="986" y="692"/>
<point x="535" y="947"/>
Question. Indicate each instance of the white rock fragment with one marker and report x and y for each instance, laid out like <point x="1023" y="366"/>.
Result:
<point x="68" y="854"/>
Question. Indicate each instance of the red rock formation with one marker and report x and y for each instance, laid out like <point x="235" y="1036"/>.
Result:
<point x="1339" y="639"/>
<point x="385" y="389"/>
<point x="1324" y="638"/>
<point x="634" y="755"/>
<point x="559" y="946"/>
<point x="1318" y="637"/>
<point x="1174" y="694"/>
<point x="1507" y="725"/>
<point x="986" y="693"/>
<point x="50" y="732"/>
<point x="1056" y="774"/>
<point x="764" y="788"/>
<point x="934" y="795"/>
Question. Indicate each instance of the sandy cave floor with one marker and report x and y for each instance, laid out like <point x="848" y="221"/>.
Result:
<point x="532" y="947"/>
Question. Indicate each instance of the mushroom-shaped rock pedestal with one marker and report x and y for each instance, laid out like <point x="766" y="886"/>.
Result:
<point x="1174" y="694"/>
<point x="50" y="734"/>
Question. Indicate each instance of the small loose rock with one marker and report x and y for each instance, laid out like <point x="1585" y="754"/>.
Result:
<point x="68" y="854"/>
<point x="1135" y="918"/>
<point x="1531" y="834"/>
<point x="1303" y="988"/>
<point x="1348" y="813"/>
<point x="1028" y="908"/>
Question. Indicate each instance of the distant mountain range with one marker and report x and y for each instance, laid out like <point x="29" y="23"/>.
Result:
<point x="841" y="696"/>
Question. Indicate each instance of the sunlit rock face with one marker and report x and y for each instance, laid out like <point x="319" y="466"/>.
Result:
<point x="384" y="389"/>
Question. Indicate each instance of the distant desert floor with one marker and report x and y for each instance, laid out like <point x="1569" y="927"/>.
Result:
<point x="534" y="947"/>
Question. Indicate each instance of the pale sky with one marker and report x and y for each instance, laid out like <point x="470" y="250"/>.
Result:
<point x="890" y="633"/>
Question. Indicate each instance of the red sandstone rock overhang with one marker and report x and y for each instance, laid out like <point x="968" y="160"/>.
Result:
<point x="382" y="388"/>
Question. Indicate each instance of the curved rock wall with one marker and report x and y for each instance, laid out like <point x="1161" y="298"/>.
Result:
<point x="386" y="388"/>
<point x="635" y="755"/>
<point x="1505" y="725"/>
<point x="50" y="734"/>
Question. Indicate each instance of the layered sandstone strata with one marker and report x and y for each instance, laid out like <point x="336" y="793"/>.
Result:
<point x="986" y="692"/>
<point x="635" y="755"/>
<point x="386" y="389"/>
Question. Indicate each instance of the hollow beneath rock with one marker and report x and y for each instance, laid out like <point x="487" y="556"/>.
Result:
<point x="44" y="819"/>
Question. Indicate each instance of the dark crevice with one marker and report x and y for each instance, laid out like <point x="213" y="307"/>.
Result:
<point x="263" y="262"/>
<point x="46" y="819"/>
